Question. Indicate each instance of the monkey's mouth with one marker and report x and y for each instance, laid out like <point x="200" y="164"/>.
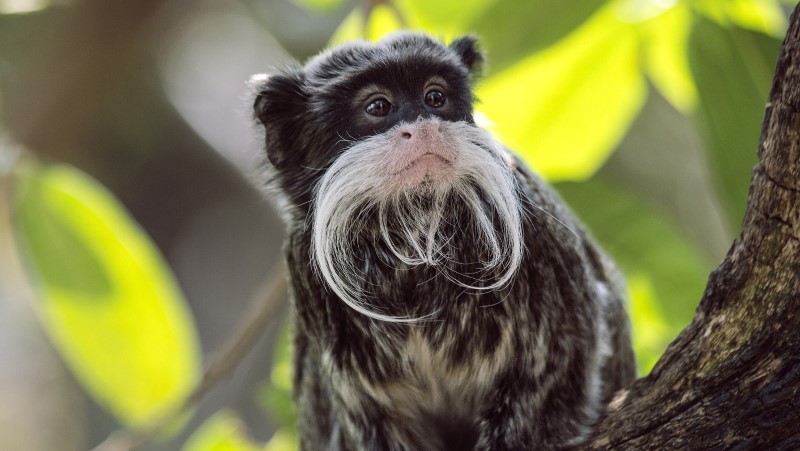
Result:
<point x="427" y="164"/>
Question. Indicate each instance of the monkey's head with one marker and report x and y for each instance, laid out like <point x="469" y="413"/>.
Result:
<point x="375" y="148"/>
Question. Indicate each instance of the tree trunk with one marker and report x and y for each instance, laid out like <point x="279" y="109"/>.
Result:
<point x="732" y="378"/>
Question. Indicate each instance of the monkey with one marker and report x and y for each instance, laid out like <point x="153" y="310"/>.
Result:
<point x="443" y="296"/>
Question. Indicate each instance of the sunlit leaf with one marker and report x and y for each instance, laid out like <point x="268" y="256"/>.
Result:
<point x="222" y="432"/>
<point x="664" y="270"/>
<point x="666" y="55"/>
<point x="283" y="440"/>
<point x="650" y="330"/>
<point x="733" y="71"/>
<point x="276" y="394"/>
<point x="765" y="16"/>
<point x="382" y="20"/>
<point x="351" y="28"/>
<point x="319" y="5"/>
<point x="510" y="30"/>
<point x="566" y="108"/>
<point x="445" y="18"/>
<point x="105" y="295"/>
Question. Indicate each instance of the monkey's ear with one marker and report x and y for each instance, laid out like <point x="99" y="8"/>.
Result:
<point x="466" y="47"/>
<point x="278" y="95"/>
<point x="280" y="104"/>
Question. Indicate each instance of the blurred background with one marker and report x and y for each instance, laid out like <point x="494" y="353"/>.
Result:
<point x="644" y="114"/>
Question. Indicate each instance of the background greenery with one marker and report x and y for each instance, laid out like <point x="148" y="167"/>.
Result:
<point x="143" y="243"/>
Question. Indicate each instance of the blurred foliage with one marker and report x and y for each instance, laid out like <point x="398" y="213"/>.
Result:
<point x="276" y="394"/>
<point x="222" y="432"/>
<point x="106" y="296"/>
<point x="225" y="432"/>
<point x="665" y="273"/>
<point x="763" y="16"/>
<point x="577" y="98"/>
<point x="733" y="68"/>
<point x="562" y="88"/>
<point x="665" y="59"/>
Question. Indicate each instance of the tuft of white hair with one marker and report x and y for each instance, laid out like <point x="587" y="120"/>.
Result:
<point x="412" y="219"/>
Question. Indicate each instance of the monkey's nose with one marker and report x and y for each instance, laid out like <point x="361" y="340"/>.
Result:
<point x="421" y="128"/>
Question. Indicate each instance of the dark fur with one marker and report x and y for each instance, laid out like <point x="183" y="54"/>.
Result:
<point x="537" y="399"/>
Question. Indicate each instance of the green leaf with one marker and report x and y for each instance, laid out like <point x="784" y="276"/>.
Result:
<point x="666" y="275"/>
<point x="351" y="28"/>
<point x="566" y="108"/>
<point x="222" y="432"/>
<point x="105" y="296"/>
<point x="283" y="440"/>
<point x="276" y="394"/>
<point x="382" y="20"/>
<point x="510" y="30"/>
<point x="651" y="332"/>
<point x="666" y="55"/>
<point x="444" y="18"/>
<point x="763" y="16"/>
<point x="733" y="71"/>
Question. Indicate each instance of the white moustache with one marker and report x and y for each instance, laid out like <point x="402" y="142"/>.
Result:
<point x="406" y="175"/>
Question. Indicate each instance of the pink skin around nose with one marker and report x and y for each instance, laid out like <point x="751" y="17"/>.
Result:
<point x="420" y="152"/>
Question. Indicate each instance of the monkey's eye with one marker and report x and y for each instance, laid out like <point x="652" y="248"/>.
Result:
<point x="434" y="98"/>
<point x="379" y="107"/>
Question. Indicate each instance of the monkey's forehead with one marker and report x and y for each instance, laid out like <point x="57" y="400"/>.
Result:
<point x="397" y="53"/>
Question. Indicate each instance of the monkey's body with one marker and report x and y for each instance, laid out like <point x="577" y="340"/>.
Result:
<point x="519" y="342"/>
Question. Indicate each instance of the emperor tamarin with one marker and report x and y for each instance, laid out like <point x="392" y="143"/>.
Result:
<point x="443" y="296"/>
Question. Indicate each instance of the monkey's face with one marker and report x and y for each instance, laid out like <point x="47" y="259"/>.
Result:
<point x="375" y="144"/>
<point x="360" y="90"/>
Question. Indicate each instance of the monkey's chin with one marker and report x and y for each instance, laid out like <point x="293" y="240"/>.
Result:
<point x="426" y="171"/>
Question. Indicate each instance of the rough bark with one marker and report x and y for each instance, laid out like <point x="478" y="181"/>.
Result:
<point x="731" y="380"/>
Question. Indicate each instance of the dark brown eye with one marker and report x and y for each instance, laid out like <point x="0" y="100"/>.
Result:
<point x="434" y="98"/>
<point x="379" y="107"/>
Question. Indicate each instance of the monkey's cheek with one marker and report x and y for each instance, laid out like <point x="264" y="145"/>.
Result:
<point x="426" y="169"/>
